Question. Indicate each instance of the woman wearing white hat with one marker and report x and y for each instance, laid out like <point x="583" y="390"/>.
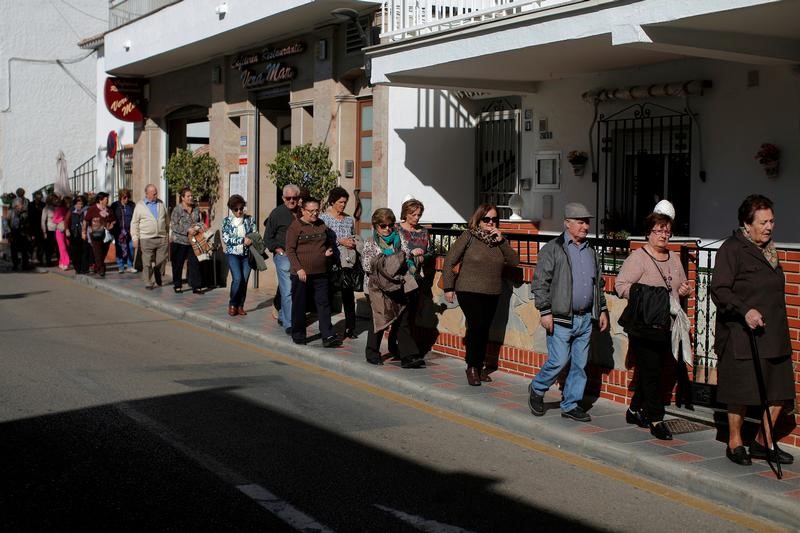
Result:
<point x="652" y="279"/>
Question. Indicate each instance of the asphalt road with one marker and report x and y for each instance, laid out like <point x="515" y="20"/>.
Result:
<point x="116" y="416"/>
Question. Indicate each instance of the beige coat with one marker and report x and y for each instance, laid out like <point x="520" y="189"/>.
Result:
<point x="144" y="226"/>
<point x="389" y="281"/>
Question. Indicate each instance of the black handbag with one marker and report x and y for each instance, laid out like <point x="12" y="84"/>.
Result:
<point x="353" y="278"/>
<point x="335" y="274"/>
<point x="98" y="234"/>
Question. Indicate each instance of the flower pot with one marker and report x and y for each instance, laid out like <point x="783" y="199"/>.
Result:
<point x="578" y="168"/>
<point x="771" y="168"/>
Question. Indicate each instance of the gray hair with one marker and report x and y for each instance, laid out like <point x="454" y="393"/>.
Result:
<point x="291" y="188"/>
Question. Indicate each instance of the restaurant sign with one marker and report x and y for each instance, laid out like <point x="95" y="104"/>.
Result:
<point x="125" y="98"/>
<point x="261" y="68"/>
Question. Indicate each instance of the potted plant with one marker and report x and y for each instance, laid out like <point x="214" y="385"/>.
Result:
<point x="198" y="172"/>
<point x="769" y="156"/>
<point x="578" y="160"/>
<point x="8" y="198"/>
<point x="307" y="166"/>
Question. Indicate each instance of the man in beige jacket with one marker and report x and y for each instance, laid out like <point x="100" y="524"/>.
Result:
<point x="150" y="235"/>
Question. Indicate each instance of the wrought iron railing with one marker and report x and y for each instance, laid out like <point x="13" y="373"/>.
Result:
<point x="403" y="19"/>
<point x="84" y="177"/>
<point x="121" y="12"/>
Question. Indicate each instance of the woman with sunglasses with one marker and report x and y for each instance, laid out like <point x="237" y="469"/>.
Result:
<point x="652" y="265"/>
<point x="308" y="246"/>
<point x="388" y="283"/>
<point x="482" y="252"/>
<point x="235" y="228"/>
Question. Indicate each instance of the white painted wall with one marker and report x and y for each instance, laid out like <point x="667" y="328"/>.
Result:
<point x="105" y="122"/>
<point x="734" y="121"/>
<point x="43" y="109"/>
<point x="431" y="153"/>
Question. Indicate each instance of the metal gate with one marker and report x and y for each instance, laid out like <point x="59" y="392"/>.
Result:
<point x="498" y="158"/>
<point x="645" y="156"/>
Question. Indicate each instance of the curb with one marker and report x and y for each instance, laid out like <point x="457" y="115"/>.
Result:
<point x="704" y="483"/>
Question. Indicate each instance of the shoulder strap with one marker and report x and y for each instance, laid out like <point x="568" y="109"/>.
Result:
<point x="653" y="259"/>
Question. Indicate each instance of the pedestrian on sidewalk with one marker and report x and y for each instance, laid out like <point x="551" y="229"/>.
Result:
<point x="346" y="258"/>
<point x="49" y="228"/>
<point x="186" y="221"/>
<point x="309" y="246"/>
<point x="76" y="236"/>
<point x="150" y="234"/>
<point x="235" y="228"/>
<point x="482" y="252"/>
<point x="123" y="212"/>
<point x="568" y="292"/>
<point x="98" y="222"/>
<point x="388" y="283"/>
<point x="59" y="218"/>
<point x="36" y="235"/>
<point x="18" y="223"/>
<point x="748" y="288"/>
<point x="653" y="281"/>
<point x="276" y="226"/>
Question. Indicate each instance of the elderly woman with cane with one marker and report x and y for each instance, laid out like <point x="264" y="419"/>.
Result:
<point x="748" y="289"/>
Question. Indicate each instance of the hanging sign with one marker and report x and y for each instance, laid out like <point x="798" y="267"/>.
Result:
<point x="111" y="145"/>
<point x="125" y="98"/>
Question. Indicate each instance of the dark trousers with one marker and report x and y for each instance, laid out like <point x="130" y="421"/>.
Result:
<point x="411" y="310"/>
<point x="478" y="312"/>
<point x="20" y="249"/>
<point x="648" y="395"/>
<point x="406" y="346"/>
<point x="349" y="306"/>
<point x="316" y="284"/>
<point x="100" y="250"/>
<point x="78" y="254"/>
<point x="180" y="253"/>
<point x="50" y="247"/>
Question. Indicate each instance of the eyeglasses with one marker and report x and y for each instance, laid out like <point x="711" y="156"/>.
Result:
<point x="291" y="198"/>
<point x="666" y="232"/>
<point x="486" y="220"/>
<point x="312" y="211"/>
<point x="385" y="226"/>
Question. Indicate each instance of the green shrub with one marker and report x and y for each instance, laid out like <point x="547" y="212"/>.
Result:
<point x="307" y="166"/>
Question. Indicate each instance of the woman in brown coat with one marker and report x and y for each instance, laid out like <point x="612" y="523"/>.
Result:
<point x="482" y="252"/>
<point x="748" y="289"/>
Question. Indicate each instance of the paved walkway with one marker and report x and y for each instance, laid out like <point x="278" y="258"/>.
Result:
<point x="694" y="462"/>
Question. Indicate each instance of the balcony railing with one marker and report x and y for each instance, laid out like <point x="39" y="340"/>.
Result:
<point x="403" y="19"/>
<point x="124" y="11"/>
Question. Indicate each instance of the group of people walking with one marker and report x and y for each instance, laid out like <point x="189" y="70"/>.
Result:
<point x="317" y="251"/>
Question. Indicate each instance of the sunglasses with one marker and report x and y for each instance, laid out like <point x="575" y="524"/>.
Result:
<point x="291" y="198"/>
<point x="385" y="226"/>
<point x="486" y="220"/>
<point x="238" y="209"/>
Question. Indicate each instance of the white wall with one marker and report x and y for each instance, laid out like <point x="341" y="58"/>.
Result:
<point x="47" y="110"/>
<point x="105" y="122"/>
<point x="431" y="153"/>
<point x="734" y="121"/>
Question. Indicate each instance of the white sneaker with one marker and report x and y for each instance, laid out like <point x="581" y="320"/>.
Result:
<point x="131" y="270"/>
<point x="121" y="270"/>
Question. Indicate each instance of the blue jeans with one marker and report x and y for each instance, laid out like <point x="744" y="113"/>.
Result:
<point x="120" y="261"/>
<point x="566" y="346"/>
<point x="240" y="273"/>
<point x="283" y="270"/>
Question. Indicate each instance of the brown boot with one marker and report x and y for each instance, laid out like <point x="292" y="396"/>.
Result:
<point x="232" y="310"/>
<point x="241" y="311"/>
<point x="473" y="376"/>
<point x="485" y="375"/>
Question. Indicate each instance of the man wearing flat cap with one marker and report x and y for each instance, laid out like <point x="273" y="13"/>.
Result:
<point x="568" y="292"/>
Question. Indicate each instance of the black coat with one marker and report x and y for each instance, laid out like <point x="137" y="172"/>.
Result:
<point x="742" y="280"/>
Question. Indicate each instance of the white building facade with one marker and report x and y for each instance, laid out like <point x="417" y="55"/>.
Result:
<point x="666" y="99"/>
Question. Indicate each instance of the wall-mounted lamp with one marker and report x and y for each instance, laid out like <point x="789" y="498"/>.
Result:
<point x="345" y="14"/>
<point x="127" y="45"/>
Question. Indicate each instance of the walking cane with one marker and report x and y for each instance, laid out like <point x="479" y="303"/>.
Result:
<point x="762" y="392"/>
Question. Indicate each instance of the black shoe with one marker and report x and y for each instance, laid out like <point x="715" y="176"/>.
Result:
<point x="378" y="360"/>
<point x="738" y="456"/>
<point x="298" y="341"/>
<point x="636" y="417"/>
<point x="660" y="431"/>
<point x="411" y="362"/>
<point x="288" y="331"/>
<point x="350" y="334"/>
<point x="535" y="401"/>
<point x="759" y="451"/>
<point x="177" y="290"/>
<point x="577" y="414"/>
<point x="331" y="342"/>
<point x="198" y="291"/>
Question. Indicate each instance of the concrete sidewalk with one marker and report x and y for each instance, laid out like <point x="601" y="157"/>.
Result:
<point x="693" y="462"/>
